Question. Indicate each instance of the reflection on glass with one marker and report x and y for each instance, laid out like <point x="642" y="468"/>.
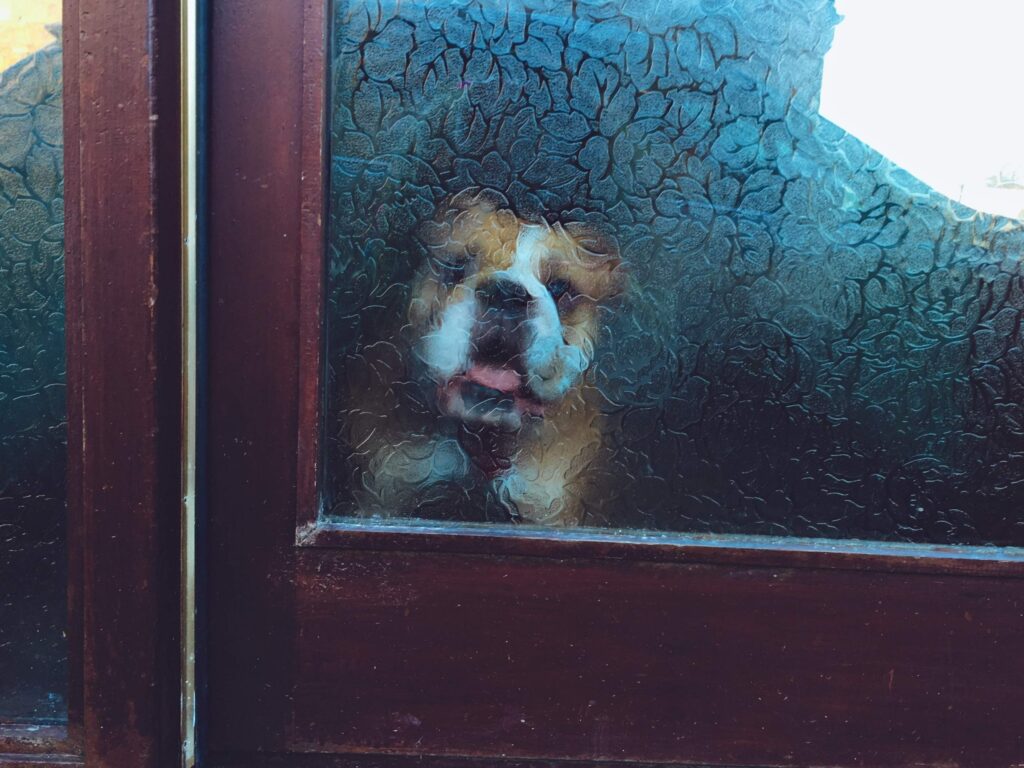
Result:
<point x="33" y="568"/>
<point x="605" y="264"/>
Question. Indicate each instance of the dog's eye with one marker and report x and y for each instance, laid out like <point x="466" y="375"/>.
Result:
<point x="559" y="287"/>
<point x="451" y="273"/>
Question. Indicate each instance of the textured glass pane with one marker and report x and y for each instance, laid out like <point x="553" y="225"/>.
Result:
<point x="608" y="264"/>
<point x="33" y="568"/>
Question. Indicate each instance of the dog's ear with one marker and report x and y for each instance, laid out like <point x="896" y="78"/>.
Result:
<point x="600" y="251"/>
<point x="473" y="222"/>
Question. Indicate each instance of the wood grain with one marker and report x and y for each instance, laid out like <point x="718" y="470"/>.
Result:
<point x="255" y="142"/>
<point x="125" y="352"/>
<point x="741" y="551"/>
<point x="73" y="329"/>
<point x="311" y="261"/>
<point x="35" y="761"/>
<point x="542" y="658"/>
<point x="37" y="741"/>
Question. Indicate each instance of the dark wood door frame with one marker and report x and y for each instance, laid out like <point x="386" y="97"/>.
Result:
<point x="127" y="372"/>
<point x="123" y="246"/>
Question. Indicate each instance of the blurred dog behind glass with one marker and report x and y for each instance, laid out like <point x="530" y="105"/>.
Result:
<point x="502" y="328"/>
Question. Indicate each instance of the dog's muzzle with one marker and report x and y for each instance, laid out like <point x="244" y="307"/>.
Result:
<point x="500" y="330"/>
<point x="494" y="390"/>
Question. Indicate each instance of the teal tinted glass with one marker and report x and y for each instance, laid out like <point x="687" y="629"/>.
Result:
<point x="613" y="264"/>
<point x="33" y="561"/>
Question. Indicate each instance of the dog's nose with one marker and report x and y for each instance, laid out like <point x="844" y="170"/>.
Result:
<point x="498" y="332"/>
<point x="507" y="294"/>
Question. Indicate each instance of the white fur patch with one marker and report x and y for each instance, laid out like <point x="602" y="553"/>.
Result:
<point x="446" y="349"/>
<point x="539" y="500"/>
<point x="553" y="366"/>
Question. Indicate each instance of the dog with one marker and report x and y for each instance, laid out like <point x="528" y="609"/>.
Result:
<point x="502" y="328"/>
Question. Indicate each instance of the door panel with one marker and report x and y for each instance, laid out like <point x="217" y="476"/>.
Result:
<point x="719" y="664"/>
<point x="336" y="642"/>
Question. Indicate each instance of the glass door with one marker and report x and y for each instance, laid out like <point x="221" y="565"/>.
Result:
<point x="586" y="384"/>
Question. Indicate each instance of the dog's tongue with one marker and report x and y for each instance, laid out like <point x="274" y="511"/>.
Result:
<point x="502" y="379"/>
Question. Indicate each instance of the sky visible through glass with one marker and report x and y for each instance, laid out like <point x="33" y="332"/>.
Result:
<point x="935" y="88"/>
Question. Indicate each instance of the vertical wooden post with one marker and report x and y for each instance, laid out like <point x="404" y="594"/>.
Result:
<point x="123" y="252"/>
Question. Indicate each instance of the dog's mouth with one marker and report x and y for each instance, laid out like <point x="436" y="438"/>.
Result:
<point x="491" y="396"/>
<point x="490" y="402"/>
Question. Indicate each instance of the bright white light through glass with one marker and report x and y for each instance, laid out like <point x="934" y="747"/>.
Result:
<point x="935" y="87"/>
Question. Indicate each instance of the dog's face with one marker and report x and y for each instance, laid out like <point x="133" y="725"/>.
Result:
<point x="506" y="312"/>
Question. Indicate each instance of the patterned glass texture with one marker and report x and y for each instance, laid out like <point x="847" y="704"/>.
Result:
<point x="33" y="561"/>
<point x="605" y="264"/>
